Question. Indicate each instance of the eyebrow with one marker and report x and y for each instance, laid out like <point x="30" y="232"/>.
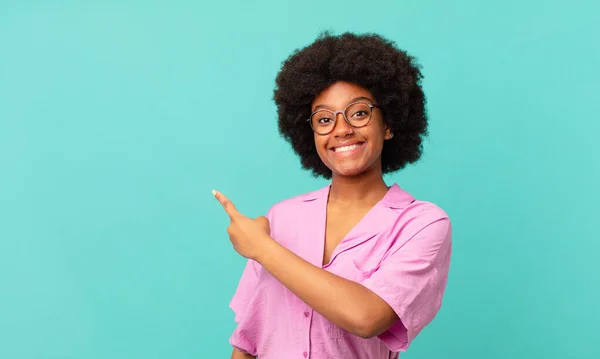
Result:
<point x="351" y="101"/>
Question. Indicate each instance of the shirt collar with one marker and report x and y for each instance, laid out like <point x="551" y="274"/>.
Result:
<point x="395" y="198"/>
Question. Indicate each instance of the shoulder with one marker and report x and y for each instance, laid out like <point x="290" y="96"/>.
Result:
<point x="289" y="216"/>
<point x="421" y="229"/>
<point x="423" y="224"/>
<point x="411" y="216"/>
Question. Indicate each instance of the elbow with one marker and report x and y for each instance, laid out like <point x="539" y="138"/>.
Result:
<point x="367" y="327"/>
<point x="365" y="334"/>
<point x="365" y="331"/>
<point x="370" y="324"/>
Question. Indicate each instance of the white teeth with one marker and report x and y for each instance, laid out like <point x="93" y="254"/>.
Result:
<point x="346" y="148"/>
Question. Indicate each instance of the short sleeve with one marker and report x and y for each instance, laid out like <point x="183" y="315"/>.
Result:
<point x="245" y="288"/>
<point x="244" y="336"/>
<point x="412" y="280"/>
<point x="247" y="283"/>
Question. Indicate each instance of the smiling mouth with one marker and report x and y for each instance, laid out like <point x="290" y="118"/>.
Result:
<point x="347" y="148"/>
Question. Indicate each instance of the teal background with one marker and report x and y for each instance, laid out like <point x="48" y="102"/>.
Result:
<point x="118" y="118"/>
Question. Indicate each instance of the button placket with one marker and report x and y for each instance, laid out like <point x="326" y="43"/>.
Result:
<point x="308" y="323"/>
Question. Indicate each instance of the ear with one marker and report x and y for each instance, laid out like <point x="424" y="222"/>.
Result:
<point x="388" y="133"/>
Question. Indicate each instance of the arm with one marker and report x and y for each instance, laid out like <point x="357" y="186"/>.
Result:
<point x="239" y="355"/>
<point x="347" y="304"/>
<point x="408" y="285"/>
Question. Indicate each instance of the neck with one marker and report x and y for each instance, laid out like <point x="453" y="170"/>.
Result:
<point x="368" y="189"/>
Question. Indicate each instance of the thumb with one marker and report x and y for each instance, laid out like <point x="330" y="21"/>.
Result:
<point x="264" y="223"/>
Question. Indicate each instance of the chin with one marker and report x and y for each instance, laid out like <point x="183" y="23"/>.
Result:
<point x="349" y="171"/>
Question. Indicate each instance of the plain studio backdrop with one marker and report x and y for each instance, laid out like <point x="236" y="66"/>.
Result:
<point x="118" y="118"/>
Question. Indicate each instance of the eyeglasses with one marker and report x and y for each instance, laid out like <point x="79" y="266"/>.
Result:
<point x="356" y="114"/>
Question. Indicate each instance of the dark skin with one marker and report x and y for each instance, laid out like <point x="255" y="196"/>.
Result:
<point x="357" y="185"/>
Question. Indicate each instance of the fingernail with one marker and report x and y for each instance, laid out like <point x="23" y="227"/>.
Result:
<point x="214" y="193"/>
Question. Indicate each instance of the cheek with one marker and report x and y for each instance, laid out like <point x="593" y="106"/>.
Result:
<point x="320" y="142"/>
<point x="378" y="135"/>
<point x="376" y="143"/>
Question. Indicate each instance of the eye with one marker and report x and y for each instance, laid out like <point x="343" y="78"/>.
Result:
<point x="360" y="113"/>
<point x="322" y="118"/>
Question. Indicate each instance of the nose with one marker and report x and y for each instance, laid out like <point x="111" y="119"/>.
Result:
<point x="342" y="128"/>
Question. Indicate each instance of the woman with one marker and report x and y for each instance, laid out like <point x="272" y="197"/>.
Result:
<point x="356" y="269"/>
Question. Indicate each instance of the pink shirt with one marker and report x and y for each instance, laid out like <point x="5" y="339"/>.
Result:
<point x="400" y="250"/>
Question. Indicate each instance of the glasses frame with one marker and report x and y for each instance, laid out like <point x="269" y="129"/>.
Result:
<point x="343" y="112"/>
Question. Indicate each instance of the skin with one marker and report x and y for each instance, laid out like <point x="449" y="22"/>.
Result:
<point x="357" y="185"/>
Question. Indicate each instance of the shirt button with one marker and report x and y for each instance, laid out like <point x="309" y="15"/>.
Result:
<point x="305" y="354"/>
<point x="306" y="314"/>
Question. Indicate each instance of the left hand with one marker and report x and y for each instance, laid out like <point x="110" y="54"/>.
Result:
<point x="248" y="236"/>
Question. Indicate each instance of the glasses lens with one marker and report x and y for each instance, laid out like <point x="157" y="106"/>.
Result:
<point x="358" y="114"/>
<point x="322" y="121"/>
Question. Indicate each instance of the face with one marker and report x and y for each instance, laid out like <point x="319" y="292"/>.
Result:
<point x="346" y="150"/>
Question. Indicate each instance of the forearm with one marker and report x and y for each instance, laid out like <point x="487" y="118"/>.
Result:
<point x="239" y="355"/>
<point x="347" y="304"/>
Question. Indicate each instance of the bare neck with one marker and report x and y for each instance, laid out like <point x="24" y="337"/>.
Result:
<point x="364" y="190"/>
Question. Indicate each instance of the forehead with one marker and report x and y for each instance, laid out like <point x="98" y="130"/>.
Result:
<point x="340" y="94"/>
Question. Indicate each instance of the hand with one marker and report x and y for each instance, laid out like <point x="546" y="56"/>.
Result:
<point x="248" y="236"/>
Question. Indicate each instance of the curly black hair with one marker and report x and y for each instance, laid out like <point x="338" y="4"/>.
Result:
<point x="370" y="61"/>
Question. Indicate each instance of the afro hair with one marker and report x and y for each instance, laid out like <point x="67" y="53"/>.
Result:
<point x="370" y="61"/>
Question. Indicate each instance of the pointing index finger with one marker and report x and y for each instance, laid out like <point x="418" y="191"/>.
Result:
<point x="225" y="202"/>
